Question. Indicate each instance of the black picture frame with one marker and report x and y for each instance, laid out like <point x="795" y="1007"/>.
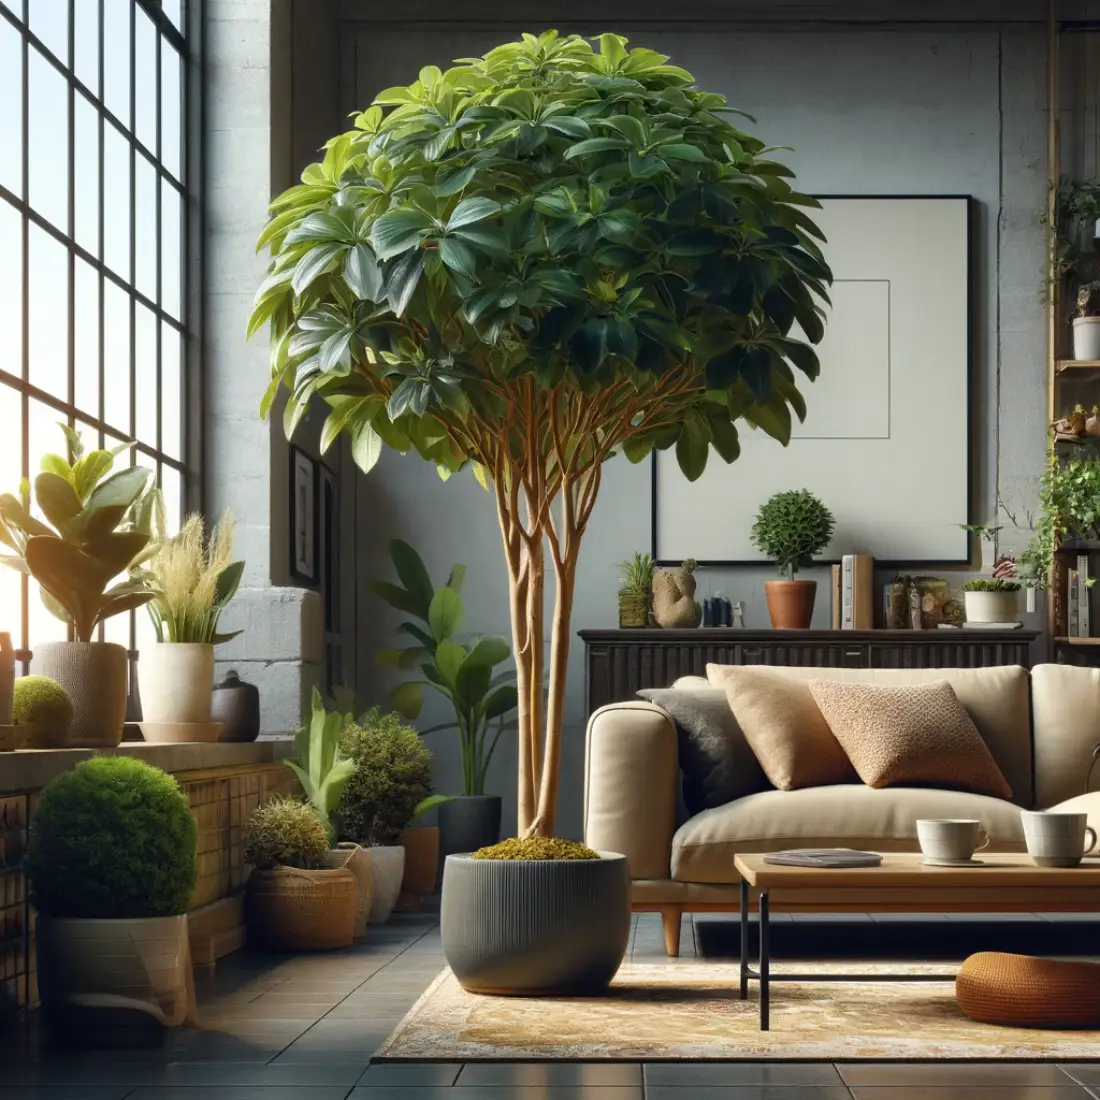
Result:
<point x="303" y="516"/>
<point x="971" y="438"/>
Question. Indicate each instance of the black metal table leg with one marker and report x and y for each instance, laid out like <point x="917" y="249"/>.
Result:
<point x="765" y="947"/>
<point x="744" y="940"/>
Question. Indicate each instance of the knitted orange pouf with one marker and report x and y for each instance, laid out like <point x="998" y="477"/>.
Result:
<point x="1019" y="991"/>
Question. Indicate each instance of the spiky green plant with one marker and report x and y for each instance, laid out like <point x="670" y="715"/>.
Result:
<point x="283" y="832"/>
<point x="636" y="575"/>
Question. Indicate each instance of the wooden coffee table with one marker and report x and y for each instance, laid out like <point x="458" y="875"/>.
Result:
<point x="902" y="884"/>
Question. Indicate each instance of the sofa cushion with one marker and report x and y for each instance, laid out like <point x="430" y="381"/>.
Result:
<point x="997" y="699"/>
<point x="715" y="759"/>
<point x="785" y="728"/>
<point x="909" y="734"/>
<point x="844" y="816"/>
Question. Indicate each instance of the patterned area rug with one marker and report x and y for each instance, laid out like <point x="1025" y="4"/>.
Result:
<point x="691" y="1011"/>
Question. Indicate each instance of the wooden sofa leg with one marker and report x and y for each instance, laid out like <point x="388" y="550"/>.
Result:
<point x="670" y="920"/>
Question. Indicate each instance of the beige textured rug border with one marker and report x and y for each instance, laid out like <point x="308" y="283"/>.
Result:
<point x="448" y="1025"/>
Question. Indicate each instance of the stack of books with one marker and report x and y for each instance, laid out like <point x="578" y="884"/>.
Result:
<point x="854" y="593"/>
<point x="1077" y="599"/>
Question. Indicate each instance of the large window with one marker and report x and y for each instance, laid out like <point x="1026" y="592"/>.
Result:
<point x="94" y="198"/>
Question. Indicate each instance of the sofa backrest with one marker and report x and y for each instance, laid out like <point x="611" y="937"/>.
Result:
<point x="997" y="699"/>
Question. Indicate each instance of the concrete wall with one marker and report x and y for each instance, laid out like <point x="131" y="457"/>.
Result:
<point x="913" y="108"/>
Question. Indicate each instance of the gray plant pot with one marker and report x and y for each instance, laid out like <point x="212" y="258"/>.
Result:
<point x="528" y="927"/>
<point x="468" y="822"/>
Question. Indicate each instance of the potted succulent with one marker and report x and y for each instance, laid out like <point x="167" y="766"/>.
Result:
<point x="293" y="900"/>
<point x="323" y="774"/>
<point x="792" y="528"/>
<point x="1086" y="323"/>
<point x="193" y="580"/>
<point x="99" y="527"/>
<point x="390" y="786"/>
<point x="111" y="866"/>
<point x="463" y="673"/>
<point x="42" y="712"/>
<point x="635" y="590"/>
<point x="493" y="293"/>
<point x="535" y="916"/>
<point x="991" y="600"/>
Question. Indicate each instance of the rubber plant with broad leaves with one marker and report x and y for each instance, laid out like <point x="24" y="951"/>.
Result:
<point x="525" y="264"/>
<point x="463" y="673"/>
<point x="103" y="526"/>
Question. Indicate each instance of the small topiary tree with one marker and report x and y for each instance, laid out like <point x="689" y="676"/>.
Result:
<point x="112" y="838"/>
<point x="393" y="775"/>
<point x="526" y="264"/>
<point x="42" y="709"/>
<point x="792" y="528"/>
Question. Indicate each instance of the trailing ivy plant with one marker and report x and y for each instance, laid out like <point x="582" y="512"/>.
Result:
<point x="525" y="264"/>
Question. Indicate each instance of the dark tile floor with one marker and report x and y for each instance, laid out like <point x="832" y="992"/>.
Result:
<point x="305" y="1027"/>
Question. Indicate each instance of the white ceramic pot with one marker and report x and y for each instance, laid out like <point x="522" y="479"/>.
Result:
<point x="177" y="682"/>
<point x="388" y="867"/>
<point x="93" y="675"/>
<point x="991" y="607"/>
<point x="360" y="863"/>
<point x="141" y="964"/>
<point x="1086" y="339"/>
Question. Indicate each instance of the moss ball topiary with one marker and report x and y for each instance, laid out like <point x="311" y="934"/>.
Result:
<point x="112" y="838"/>
<point x="536" y="847"/>
<point x="42" y="710"/>
<point x="284" y="832"/>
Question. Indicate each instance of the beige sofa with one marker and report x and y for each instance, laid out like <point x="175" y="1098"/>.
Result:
<point x="1040" y="727"/>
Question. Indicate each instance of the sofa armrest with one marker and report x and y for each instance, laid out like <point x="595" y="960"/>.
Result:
<point x="631" y="775"/>
<point x="1065" y="714"/>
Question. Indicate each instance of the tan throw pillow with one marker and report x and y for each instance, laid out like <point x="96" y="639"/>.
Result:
<point x="919" y="734"/>
<point x="784" y="728"/>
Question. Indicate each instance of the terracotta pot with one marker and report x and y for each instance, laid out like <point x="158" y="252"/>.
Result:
<point x="791" y="603"/>
<point x="177" y="679"/>
<point x="421" y="846"/>
<point x="93" y="972"/>
<point x="93" y="675"/>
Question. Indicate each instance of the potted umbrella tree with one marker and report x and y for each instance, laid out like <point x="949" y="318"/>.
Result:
<point x="98" y="529"/>
<point x="192" y="580"/>
<point x="464" y="674"/>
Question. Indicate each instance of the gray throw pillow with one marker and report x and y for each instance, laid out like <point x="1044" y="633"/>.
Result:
<point x="715" y="759"/>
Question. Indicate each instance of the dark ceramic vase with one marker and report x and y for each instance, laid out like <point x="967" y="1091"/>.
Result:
<point x="468" y="822"/>
<point x="529" y="927"/>
<point x="236" y="704"/>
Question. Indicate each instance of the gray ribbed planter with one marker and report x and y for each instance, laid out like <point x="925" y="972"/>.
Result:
<point x="526" y="927"/>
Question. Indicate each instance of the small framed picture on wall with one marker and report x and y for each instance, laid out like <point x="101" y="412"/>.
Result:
<point x="303" y="516"/>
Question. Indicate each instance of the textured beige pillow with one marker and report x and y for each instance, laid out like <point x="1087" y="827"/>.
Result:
<point x="784" y="728"/>
<point x="919" y="734"/>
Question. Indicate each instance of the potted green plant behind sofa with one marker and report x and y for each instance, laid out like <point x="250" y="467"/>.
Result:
<point x="529" y="263"/>
<point x="111" y="866"/>
<point x="792" y="528"/>
<point x="465" y="675"/>
<point x="992" y="600"/>
<point x="99" y="528"/>
<point x="193" y="579"/>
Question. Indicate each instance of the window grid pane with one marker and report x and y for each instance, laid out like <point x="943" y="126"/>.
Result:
<point x="92" y="230"/>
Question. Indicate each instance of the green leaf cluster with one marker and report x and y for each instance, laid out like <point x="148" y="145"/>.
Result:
<point x="636" y="575"/>
<point x="463" y="673"/>
<point x="986" y="584"/>
<point x="792" y="528"/>
<point x="99" y="525"/>
<point x="576" y="214"/>
<point x="391" y="780"/>
<point x="113" y="838"/>
<point x="283" y="832"/>
<point x="320" y="768"/>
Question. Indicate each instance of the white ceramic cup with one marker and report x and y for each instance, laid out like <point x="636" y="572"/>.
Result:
<point x="955" y="839"/>
<point x="1057" y="839"/>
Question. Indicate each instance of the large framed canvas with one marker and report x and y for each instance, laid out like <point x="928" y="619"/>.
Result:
<point x="886" y="442"/>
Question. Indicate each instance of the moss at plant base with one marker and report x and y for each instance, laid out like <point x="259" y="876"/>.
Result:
<point x="113" y="838"/>
<point x="536" y="847"/>
<point x="42" y="709"/>
<point x="284" y="832"/>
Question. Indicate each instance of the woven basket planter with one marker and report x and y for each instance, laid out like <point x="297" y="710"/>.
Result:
<point x="1019" y="991"/>
<point x="634" y="610"/>
<point x="288" y="909"/>
<point x="531" y="927"/>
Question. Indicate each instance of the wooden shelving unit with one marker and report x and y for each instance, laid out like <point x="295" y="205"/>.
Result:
<point x="1077" y="366"/>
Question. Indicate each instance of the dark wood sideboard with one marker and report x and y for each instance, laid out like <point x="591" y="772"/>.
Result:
<point x="619" y="662"/>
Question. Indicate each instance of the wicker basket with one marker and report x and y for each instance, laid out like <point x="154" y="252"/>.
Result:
<point x="633" y="610"/>
<point x="1019" y="991"/>
<point x="288" y="909"/>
